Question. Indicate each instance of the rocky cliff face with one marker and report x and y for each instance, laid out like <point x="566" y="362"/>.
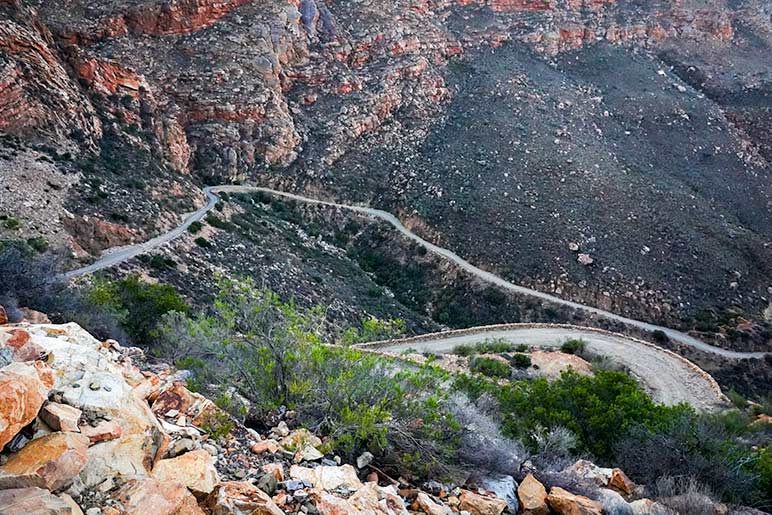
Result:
<point x="384" y="102"/>
<point x="238" y="85"/>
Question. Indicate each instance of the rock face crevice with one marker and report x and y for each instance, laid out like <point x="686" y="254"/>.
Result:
<point x="255" y="84"/>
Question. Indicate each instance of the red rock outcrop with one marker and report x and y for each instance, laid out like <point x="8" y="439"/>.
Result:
<point x="57" y="458"/>
<point x="37" y="95"/>
<point x="23" y="389"/>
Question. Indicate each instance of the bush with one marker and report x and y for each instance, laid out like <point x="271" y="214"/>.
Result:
<point x="195" y="227"/>
<point x="487" y="346"/>
<point x="660" y="337"/>
<point x="464" y="350"/>
<point x="38" y="243"/>
<point x="373" y="330"/>
<point x="138" y="305"/>
<point x="271" y="352"/>
<point x="598" y="410"/>
<point x="521" y="360"/>
<point x="218" y="222"/>
<point x="11" y="223"/>
<point x="203" y="242"/>
<point x="573" y="346"/>
<point x="490" y="367"/>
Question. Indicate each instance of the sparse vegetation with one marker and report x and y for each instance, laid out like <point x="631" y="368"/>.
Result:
<point x="573" y="346"/>
<point x="490" y="367"/>
<point x="273" y="352"/>
<point x="521" y="360"/>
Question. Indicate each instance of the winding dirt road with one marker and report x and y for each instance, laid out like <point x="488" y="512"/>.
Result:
<point x="668" y="376"/>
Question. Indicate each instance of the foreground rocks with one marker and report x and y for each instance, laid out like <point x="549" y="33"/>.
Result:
<point x="86" y="431"/>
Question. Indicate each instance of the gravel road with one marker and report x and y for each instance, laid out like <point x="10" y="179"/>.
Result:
<point x="669" y="377"/>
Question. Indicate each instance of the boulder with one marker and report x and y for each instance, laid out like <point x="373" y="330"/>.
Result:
<point x="104" y="430"/>
<point x="240" y="498"/>
<point x="533" y="496"/>
<point x="3" y="316"/>
<point x="156" y="497"/>
<point x="368" y="500"/>
<point x="426" y="504"/>
<point x="308" y="453"/>
<point x="271" y="446"/>
<point x="61" y="417"/>
<point x="649" y="507"/>
<point x="327" y="477"/>
<point x="300" y="438"/>
<point x="275" y="469"/>
<point x="564" y="502"/>
<point x="33" y="501"/>
<point x="57" y="458"/>
<point x="621" y="482"/>
<point x="194" y="469"/>
<point x="23" y="389"/>
<point x="126" y="456"/>
<point x="477" y="504"/>
<point x="588" y="471"/>
<point x="502" y="486"/>
<point x="71" y="503"/>
<point x="8" y="480"/>
<point x="176" y="397"/>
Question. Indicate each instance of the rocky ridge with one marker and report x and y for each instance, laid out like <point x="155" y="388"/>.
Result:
<point x="85" y="430"/>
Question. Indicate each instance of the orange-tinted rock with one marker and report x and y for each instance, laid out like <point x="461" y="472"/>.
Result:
<point x="426" y="504"/>
<point x="194" y="469"/>
<point x="155" y="497"/>
<point x="33" y="501"/>
<point x="3" y="316"/>
<point x="262" y="446"/>
<point x="477" y="504"/>
<point x="104" y="430"/>
<point x="276" y="469"/>
<point x="328" y="477"/>
<point x="621" y="482"/>
<point x="34" y="317"/>
<point x="95" y="235"/>
<point x="57" y="458"/>
<point x="370" y="499"/>
<point x="16" y="338"/>
<point x="178" y="398"/>
<point x="69" y="501"/>
<point x="238" y="498"/>
<point x="533" y="496"/>
<point x="564" y="502"/>
<point x="60" y="417"/>
<point x="23" y="388"/>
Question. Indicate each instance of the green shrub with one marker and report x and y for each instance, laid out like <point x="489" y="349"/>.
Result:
<point x="202" y="242"/>
<point x="465" y="350"/>
<point x="271" y="352"/>
<point x="373" y="330"/>
<point x="573" y="346"/>
<point x="490" y="367"/>
<point x="137" y="305"/>
<point x="218" y="222"/>
<point x="494" y="346"/>
<point x="521" y="348"/>
<point x="38" y="243"/>
<point x="521" y="360"/>
<point x="195" y="227"/>
<point x="659" y="337"/>
<point x="12" y="223"/>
